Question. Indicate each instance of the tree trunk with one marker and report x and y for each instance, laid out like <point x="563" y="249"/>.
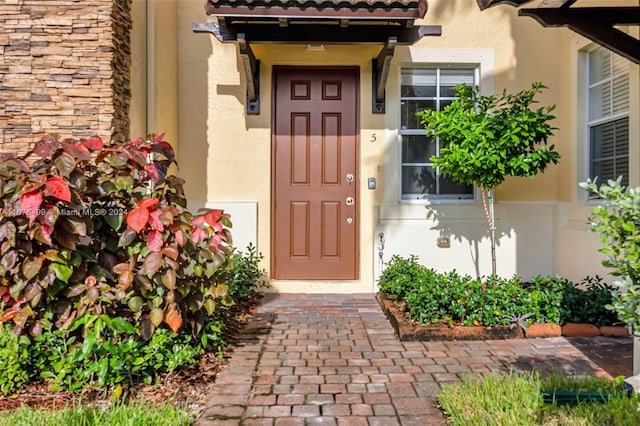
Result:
<point x="492" y="224"/>
<point x="490" y="214"/>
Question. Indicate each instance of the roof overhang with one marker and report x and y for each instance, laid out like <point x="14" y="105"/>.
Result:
<point x="598" y="24"/>
<point x="385" y="22"/>
<point x="325" y="32"/>
<point x="314" y="9"/>
<point x="318" y="21"/>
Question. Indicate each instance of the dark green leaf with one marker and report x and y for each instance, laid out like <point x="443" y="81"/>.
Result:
<point x="115" y="221"/>
<point x="127" y="237"/>
<point x="74" y="225"/>
<point x="147" y="328"/>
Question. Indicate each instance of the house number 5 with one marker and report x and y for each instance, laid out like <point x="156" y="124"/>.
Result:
<point x="374" y="137"/>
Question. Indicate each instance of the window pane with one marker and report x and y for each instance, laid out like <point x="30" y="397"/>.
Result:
<point x="600" y="101"/>
<point x="418" y="83"/>
<point x="418" y="180"/>
<point x="408" y="110"/>
<point x="448" y="186"/>
<point x="610" y="150"/>
<point x="609" y="91"/>
<point x="608" y="95"/>
<point x="445" y="103"/>
<point x="603" y="170"/>
<point x="450" y="78"/>
<point x="621" y="93"/>
<point x="418" y="91"/>
<point x="622" y="137"/>
<point x="620" y="65"/>
<point x="417" y="149"/>
<point x="622" y="169"/>
<point x="599" y="65"/>
<point x="435" y="86"/>
<point x="602" y="141"/>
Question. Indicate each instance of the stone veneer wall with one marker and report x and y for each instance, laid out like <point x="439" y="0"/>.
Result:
<point x="64" y="68"/>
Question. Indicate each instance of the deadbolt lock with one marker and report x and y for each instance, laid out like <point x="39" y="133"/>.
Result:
<point x="349" y="178"/>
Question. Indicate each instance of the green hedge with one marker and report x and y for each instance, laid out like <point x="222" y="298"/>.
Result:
<point x="433" y="297"/>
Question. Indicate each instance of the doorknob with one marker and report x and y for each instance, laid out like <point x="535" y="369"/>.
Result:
<point x="349" y="178"/>
<point x="349" y="201"/>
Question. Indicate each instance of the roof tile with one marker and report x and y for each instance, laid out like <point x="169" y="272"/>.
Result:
<point x="319" y="3"/>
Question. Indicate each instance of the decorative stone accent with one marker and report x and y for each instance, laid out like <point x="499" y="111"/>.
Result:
<point x="545" y="329"/>
<point x="64" y="68"/>
<point x="571" y="329"/>
<point x="614" y="331"/>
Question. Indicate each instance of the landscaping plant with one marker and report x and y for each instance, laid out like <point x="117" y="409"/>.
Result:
<point x="431" y="297"/>
<point x="105" y="278"/>
<point x="484" y="139"/>
<point x="245" y="276"/>
<point x="617" y="220"/>
<point x="587" y="303"/>
<point x="88" y="228"/>
<point x="400" y="274"/>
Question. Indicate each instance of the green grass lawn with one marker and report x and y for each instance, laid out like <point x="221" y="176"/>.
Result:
<point x="516" y="400"/>
<point x="132" y="414"/>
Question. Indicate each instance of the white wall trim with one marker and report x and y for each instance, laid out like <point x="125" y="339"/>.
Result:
<point x="414" y="56"/>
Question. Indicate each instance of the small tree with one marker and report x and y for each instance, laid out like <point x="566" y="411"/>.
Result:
<point x="617" y="220"/>
<point x="484" y="139"/>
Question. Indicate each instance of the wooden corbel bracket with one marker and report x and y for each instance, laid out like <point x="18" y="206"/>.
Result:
<point x="251" y="69"/>
<point x="379" y="73"/>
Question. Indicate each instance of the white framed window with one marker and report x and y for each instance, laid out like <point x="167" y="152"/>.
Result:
<point x="608" y="115"/>
<point x="420" y="89"/>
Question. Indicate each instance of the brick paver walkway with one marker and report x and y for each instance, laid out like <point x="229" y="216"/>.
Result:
<point x="334" y="360"/>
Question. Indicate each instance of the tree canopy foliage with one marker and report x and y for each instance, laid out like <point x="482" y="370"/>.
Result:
<point x="485" y="138"/>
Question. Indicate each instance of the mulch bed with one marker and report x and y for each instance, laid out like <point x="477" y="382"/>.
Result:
<point x="408" y="330"/>
<point x="188" y="388"/>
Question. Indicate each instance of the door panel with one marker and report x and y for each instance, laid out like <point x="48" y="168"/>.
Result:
<point x="315" y="147"/>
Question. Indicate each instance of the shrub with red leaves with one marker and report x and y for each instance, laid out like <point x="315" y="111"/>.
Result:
<point x="103" y="229"/>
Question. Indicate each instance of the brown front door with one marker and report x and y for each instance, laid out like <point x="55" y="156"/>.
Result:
<point x="315" y="176"/>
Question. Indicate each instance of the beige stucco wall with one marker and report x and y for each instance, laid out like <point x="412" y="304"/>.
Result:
<point x="507" y="50"/>
<point x="138" y="107"/>
<point x="154" y="52"/>
<point x="196" y="94"/>
<point x="575" y="248"/>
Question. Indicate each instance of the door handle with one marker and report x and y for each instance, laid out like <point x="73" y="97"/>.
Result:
<point x="349" y="201"/>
